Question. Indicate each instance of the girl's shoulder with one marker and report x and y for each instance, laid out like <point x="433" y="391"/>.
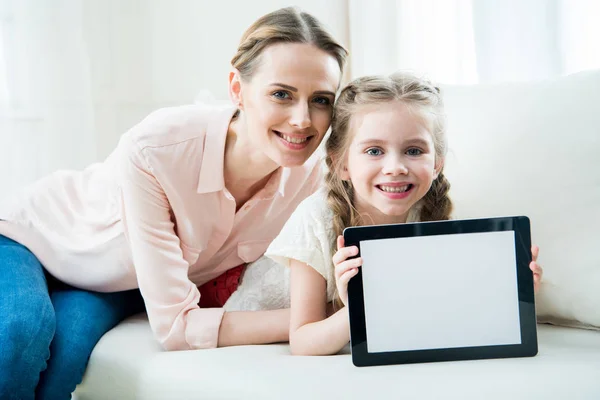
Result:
<point x="305" y="237"/>
<point x="315" y="207"/>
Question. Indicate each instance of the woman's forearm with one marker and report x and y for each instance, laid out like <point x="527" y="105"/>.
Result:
<point x="324" y="337"/>
<point x="254" y="327"/>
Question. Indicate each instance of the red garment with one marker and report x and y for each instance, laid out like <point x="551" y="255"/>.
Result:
<point x="215" y="293"/>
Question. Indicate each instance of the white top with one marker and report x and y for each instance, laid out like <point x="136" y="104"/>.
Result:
<point x="307" y="237"/>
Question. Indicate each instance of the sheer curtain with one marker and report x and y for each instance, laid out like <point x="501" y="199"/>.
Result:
<point x="45" y="100"/>
<point x="475" y="41"/>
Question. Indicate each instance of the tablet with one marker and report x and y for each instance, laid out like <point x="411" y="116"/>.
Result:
<point x="442" y="291"/>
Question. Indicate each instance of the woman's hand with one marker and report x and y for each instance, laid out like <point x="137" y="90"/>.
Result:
<point x="536" y="269"/>
<point x="345" y="269"/>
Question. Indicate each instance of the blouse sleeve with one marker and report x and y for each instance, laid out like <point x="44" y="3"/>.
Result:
<point x="171" y="298"/>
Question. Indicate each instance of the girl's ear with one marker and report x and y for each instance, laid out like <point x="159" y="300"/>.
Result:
<point x="439" y="164"/>
<point x="344" y="174"/>
<point x="235" y="87"/>
<point x="342" y="170"/>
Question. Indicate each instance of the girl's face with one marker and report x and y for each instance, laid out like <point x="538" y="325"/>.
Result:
<point x="391" y="162"/>
<point x="288" y="102"/>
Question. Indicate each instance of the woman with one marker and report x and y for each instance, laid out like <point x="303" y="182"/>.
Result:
<point x="189" y="193"/>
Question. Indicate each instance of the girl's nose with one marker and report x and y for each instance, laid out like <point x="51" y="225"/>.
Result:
<point x="395" y="166"/>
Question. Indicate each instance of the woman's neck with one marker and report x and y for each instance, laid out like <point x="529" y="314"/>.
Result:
<point x="246" y="169"/>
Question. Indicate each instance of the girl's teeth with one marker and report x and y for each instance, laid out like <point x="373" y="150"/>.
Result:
<point x="293" y="140"/>
<point x="394" y="189"/>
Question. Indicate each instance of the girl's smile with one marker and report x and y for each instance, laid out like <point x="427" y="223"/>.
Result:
<point x="395" y="190"/>
<point x="391" y="161"/>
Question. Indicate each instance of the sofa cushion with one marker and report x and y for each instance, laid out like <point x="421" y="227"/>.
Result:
<point x="532" y="149"/>
<point x="127" y="364"/>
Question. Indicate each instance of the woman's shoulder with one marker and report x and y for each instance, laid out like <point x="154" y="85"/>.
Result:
<point x="172" y="125"/>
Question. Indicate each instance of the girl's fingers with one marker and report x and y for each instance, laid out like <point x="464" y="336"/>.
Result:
<point x="340" y="242"/>
<point x="341" y="268"/>
<point x="537" y="276"/>
<point x="535" y="251"/>
<point x="345" y="278"/>
<point x="535" y="268"/>
<point x="342" y="254"/>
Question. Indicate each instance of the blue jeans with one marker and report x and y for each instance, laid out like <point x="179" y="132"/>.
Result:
<point x="48" y="329"/>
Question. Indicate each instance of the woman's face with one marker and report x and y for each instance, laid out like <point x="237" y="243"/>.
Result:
<point x="287" y="103"/>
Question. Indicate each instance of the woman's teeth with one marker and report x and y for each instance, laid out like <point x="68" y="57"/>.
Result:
<point x="293" y="140"/>
<point x="394" y="189"/>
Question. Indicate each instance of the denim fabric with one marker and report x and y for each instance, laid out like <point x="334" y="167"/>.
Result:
<point x="48" y="329"/>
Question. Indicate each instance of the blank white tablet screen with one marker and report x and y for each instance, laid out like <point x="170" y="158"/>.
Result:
<point x="442" y="291"/>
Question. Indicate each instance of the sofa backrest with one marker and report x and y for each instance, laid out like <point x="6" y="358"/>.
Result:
<point x="534" y="149"/>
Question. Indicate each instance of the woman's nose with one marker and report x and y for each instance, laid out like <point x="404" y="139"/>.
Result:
<point x="301" y="116"/>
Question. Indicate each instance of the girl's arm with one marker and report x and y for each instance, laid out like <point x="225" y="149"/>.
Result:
<point x="254" y="327"/>
<point x="311" y="331"/>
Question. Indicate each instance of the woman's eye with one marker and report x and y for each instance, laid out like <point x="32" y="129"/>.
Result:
<point x="280" y="94"/>
<point x="373" y="151"/>
<point x="324" y="101"/>
<point x="414" y="152"/>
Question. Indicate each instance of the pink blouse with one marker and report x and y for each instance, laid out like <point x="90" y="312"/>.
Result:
<point x="157" y="215"/>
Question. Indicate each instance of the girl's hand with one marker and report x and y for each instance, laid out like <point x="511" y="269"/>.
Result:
<point x="344" y="268"/>
<point x="536" y="269"/>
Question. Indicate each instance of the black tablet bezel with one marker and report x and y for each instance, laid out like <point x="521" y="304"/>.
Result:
<point x="358" y="332"/>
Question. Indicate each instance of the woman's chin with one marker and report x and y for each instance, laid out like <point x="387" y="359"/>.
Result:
<point x="289" y="161"/>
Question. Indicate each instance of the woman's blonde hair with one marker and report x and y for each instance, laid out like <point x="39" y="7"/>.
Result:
<point x="423" y="98"/>
<point x="286" y="25"/>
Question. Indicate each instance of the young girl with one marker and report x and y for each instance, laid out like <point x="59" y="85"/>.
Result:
<point x="385" y="157"/>
<point x="189" y="193"/>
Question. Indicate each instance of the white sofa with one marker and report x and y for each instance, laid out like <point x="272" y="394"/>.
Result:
<point x="528" y="149"/>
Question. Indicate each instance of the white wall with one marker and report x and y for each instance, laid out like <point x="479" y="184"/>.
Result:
<point x="76" y="74"/>
<point x="79" y="74"/>
<point x="148" y="54"/>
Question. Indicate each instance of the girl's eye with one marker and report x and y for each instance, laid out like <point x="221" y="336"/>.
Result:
<point x="374" y="151"/>
<point x="414" y="152"/>
<point x="324" y="101"/>
<point x="280" y="94"/>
